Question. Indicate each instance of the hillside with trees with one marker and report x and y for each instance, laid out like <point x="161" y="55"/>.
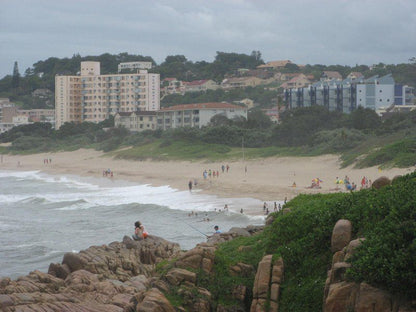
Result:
<point x="19" y="87"/>
<point x="309" y="131"/>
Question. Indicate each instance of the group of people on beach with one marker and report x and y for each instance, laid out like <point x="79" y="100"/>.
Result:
<point x="349" y="186"/>
<point x="215" y="173"/>
<point x="108" y="173"/>
<point x="276" y="207"/>
<point x="365" y="182"/>
<point x="352" y="186"/>
<point x="47" y="161"/>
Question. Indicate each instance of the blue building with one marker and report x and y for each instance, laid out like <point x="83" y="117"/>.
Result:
<point x="377" y="93"/>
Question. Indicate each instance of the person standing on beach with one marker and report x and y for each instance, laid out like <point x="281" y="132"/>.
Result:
<point x="190" y="185"/>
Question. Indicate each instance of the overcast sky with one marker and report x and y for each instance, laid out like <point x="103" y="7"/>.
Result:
<point x="345" y="32"/>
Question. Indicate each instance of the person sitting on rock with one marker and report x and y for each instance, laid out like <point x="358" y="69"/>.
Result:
<point x="217" y="230"/>
<point x="139" y="231"/>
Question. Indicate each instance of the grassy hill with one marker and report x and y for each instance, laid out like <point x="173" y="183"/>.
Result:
<point x="386" y="259"/>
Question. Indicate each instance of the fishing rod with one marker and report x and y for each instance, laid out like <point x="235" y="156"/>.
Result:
<point x="195" y="229"/>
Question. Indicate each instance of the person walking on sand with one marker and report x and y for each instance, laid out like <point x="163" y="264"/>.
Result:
<point x="190" y="185"/>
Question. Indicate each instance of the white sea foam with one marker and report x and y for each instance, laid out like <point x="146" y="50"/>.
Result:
<point x="41" y="214"/>
<point x="94" y="195"/>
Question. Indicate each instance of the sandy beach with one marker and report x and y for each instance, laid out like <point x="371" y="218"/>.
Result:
<point x="266" y="179"/>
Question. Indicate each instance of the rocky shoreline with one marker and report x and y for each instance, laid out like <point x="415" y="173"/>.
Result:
<point x="124" y="277"/>
<point x="117" y="277"/>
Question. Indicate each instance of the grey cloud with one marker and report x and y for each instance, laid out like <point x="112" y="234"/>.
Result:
<point x="305" y="31"/>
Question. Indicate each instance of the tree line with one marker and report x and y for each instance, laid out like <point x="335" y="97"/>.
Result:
<point x="18" y="87"/>
<point x="314" y="129"/>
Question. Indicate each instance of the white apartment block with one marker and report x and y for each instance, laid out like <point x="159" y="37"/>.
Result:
<point x="94" y="97"/>
<point x="196" y="115"/>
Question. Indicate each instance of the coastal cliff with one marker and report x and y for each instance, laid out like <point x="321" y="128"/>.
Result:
<point x="309" y="257"/>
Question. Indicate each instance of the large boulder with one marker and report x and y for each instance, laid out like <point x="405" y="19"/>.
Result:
<point x="200" y="257"/>
<point x="118" y="260"/>
<point x="341" y="235"/>
<point x="352" y="247"/>
<point x="176" y="276"/>
<point x="373" y="299"/>
<point x="262" y="279"/>
<point x="380" y="182"/>
<point x="341" y="297"/>
<point x="153" y="301"/>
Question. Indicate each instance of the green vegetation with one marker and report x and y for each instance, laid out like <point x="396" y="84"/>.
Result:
<point x="386" y="259"/>
<point x="263" y="97"/>
<point x="19" y="87"/>
<point x="401" y="153"/>
<point x="361" y="138"/>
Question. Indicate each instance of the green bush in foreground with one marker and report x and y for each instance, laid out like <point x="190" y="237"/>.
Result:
<point x="387" y="258"/>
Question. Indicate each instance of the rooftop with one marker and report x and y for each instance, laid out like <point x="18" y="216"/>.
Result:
<point x="275" y="64"/>
<point x="195" y="82"/>
<point x="211" y="105"/>
<point x="137" y="113"/>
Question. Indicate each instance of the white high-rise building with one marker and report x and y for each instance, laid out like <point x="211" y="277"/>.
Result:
<point x="93" y="97"/>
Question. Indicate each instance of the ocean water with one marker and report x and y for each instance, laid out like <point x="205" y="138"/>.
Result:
<point x="44" y="216"/>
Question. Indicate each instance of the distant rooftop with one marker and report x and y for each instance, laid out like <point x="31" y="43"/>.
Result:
<point x="211" y="105"/>
<point x="275" y="64"/>
<point x="137" y="113"/>
<point x="195" y="82"/>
